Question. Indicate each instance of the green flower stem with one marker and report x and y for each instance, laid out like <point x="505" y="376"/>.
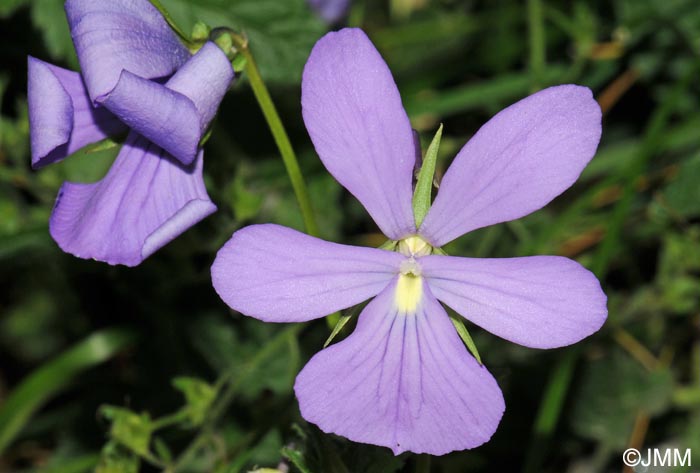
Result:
<point x="169" y="420"/>
<point x="537" y="42"/>
<point x="169" y="19"/>
<point x="278" y="132"/>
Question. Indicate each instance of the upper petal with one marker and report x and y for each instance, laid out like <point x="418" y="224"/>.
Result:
<point x="277" y="274"/>
<point x="145" y="200"/>
<point x="115" y="35"/>
<point x="536" y="301"/>
<point x="61" y="117"/>
<point x="403" y="381"/>
<point x="353" y="112"/>
<point x="175" y="115"/>
<point x="519" y="161"/>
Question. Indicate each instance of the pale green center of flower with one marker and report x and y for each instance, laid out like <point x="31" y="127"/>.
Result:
<point x="414" y="246"/>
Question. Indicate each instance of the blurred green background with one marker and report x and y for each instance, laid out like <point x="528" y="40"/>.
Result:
<point x="194" y="387"/>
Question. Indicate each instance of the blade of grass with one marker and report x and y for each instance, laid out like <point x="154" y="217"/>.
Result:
<point x="486" y="93"/>
<point x="54" y="376"/>
<point x="550" y="409"/>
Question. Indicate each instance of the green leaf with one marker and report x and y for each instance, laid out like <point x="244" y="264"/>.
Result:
<point x="257" y="355"/>
<point x="129" y="428"/>
<point x="8" y="7"/>
<point x="474" y="95"/>
<point x="683" y="193"/>
<point x="297" y="459"/>
<point x="49" y="18"/>
<point x="613" y="391"/>
<point x="33" y="239"/>
<point x="115" y="459"/>
<point x="54" y="376"/>
<point x="464" y="335"/>
<point x="162" y="450"/>
<point x="424" y="186"/>
<point x="199" y="396"/>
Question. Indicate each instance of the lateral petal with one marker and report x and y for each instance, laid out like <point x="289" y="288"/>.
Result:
<point x="277" y="274"/>
<point x="536" y="301"/>
<point x="61" y="117"/>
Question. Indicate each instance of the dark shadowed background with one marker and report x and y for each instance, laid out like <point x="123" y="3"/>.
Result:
<point x="76" y="335"/>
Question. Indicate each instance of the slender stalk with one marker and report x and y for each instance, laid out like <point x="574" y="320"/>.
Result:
<point x="636" y="349"/>
<point x="535" y="22"/>
<point x="169" y="420"/>
<point x="550" y="409"/>
<point x="280" y="135"/>
<point x="171" y="22"/>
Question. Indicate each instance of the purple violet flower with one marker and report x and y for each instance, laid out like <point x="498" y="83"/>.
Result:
<point x="404" y="379"/>
<point x="136" y="77"/>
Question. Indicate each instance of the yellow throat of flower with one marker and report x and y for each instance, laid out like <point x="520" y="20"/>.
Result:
<point x="409" y="290"/>
<point x="409" y="287"/>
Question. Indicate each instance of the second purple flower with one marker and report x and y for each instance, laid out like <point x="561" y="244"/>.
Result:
<point x="404" y="379"/>
<point x="138" y="78"/>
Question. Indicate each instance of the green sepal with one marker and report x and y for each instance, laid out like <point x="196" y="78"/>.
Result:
<point x="238" y="63"/>
<point x="102" y="145"/>
<point x="205" y="137"/>
<point x="342" y="320"/>
<point x="200" y="32"/>
<point x="225" y="43"/>
<point x="389" y="245"/>
<point x="424" y="186"/>
<point x="464" y="335"/>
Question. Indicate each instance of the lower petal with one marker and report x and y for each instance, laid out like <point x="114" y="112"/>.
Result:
<point x="536" y="301"/>
<point x="145" y="200"/>
<point x="403" y="381"/>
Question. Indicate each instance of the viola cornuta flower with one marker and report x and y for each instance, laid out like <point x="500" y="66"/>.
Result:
<point x="138" y="78"/>
<point x="404" y="379"/>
